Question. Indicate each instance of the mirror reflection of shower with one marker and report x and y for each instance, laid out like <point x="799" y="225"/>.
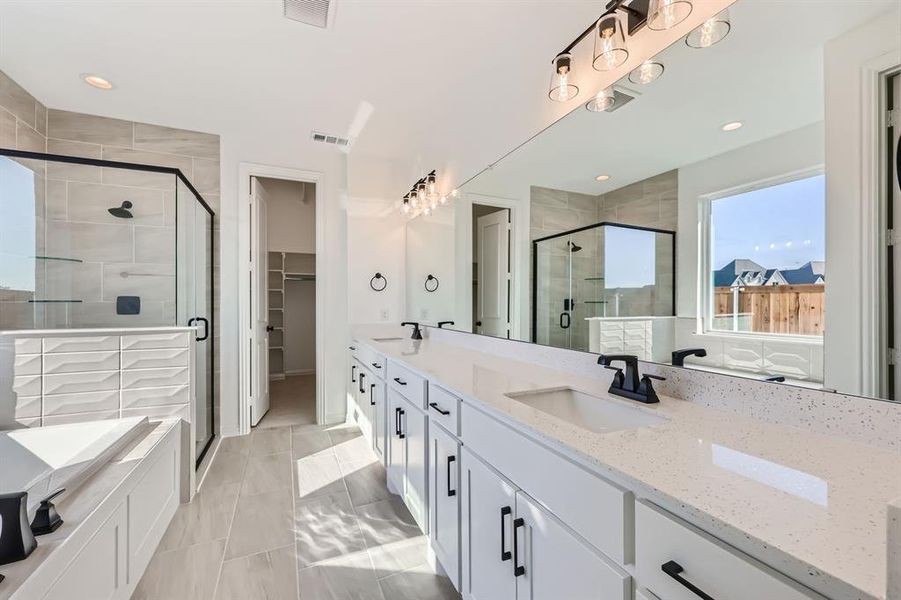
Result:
<point x="123" y="211"/>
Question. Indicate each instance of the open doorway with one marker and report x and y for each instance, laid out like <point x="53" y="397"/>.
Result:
<point x="492" y="280"/>
<point x="283" y="302"/>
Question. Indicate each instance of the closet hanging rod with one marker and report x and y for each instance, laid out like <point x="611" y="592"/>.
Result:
<point x="300" y="278"/>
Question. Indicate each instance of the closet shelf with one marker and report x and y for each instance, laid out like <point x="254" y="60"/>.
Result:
<point x="276" y="348"/>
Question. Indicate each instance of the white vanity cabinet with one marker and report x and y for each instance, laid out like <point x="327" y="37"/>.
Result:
<point x="514" y="548"/>
<point x="407" y="462"/>
<point x="366" y="395"/>
<point x="444" y="495"/>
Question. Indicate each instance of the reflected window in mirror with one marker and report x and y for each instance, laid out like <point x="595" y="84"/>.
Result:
<point x="767" y="258"/>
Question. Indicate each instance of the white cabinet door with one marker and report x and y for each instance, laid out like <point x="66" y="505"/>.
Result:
<point x="98" y="571"/>
<point x="488" y="501"/>
<point x="396" y="443"/>
<point x="414" y="424"/>
<point x="550" y="562"/>
<point x="377" y="404"/>
<point x="363" y="414"/>
<point x="352" y="385"/>
<point x="444" y="500"/>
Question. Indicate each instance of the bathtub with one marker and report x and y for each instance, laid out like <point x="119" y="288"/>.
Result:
<point x="42" y="459"/>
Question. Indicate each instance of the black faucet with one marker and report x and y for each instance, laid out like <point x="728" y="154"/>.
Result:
<point x="441" y="324"/>
<point x="16" y="539"/>
<point x="775" y="379"/>
<point x="679" y="356"/>
<point x="417" y="334"/>
<point x="629" y="384"/>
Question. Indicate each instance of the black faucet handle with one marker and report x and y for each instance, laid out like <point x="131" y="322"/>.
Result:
<point x="649" y="376"/>
<point x="46" y="519"/>
<point x="417" y="334"/>
<point x="441" y="324"/>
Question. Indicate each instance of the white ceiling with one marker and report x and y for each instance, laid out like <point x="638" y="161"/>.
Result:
<point x="453" y="84"/>
<point x="767" y="73"/>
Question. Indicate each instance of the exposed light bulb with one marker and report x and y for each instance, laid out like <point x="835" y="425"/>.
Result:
<point x="442" y="200"/>
<point x="562" y="89"/>
<point x="426" y="210"/>
<point x="646" y="72"/>
<point x="455" y="193"/>
<point x="414" y="198"/>
<point x="405" y="208"/>
<point x="710" y="32"/>
<point x="610" y="49"/>
<point x="666" y="14"/>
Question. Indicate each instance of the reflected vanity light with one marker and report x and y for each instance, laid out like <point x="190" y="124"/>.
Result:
<point x="96" y="81"/>
<point x="733" y="125"/>
<point x="610" y="49"/>
<point x="602" y="101"/>
<point x="602" y="178"/>
<point x="710" y="32"/>
<point x="562" y="89"/>
<point x="646" y="72"/>
<point x="666" y="14"/>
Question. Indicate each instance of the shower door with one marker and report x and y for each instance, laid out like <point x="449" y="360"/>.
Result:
<point x="195" y="305"/>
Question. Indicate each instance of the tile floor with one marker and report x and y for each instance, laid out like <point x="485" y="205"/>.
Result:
<point x="292" y="401"/>
<point x="294" y="512"/>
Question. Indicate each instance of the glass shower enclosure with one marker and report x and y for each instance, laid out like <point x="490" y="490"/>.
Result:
<point x="87" y="243"/>
<point x="606" y="270"/>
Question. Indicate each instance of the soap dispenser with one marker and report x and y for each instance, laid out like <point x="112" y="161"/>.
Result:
<point x="16" y="539"/>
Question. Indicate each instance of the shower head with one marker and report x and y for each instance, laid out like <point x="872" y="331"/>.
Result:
<point x="122" y="212"/>
<point x="573" y="247"/>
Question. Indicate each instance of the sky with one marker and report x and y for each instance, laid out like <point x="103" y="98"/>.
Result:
<point x="17" y="226"/>
<point x="782" y="226"/>
<point x="629" y="257"/>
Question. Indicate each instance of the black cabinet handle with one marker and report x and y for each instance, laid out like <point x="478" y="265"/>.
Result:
<point x="352" y="347"/>
<point x="674" y="570"/>
<point x="400" y="430"/>
<point x="376" y="365"/>
<point x="505" y="554"/>
<point x="438" y="408"/>
<point x="518" y="569"/>
<point x="398" y="380"/>
<point x="372" y="394"/>
<point x="450" y="459"/>
<point x="396" y="421"/>
<point x="353" y="373"/>
<point x="362" y="389"/>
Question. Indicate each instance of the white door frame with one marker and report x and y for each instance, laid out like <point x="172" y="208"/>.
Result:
<point x="245" y="172"/>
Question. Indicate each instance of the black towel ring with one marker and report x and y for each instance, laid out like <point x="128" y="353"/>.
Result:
<point x="378" y="277"/>
<point x="431" y="278"/>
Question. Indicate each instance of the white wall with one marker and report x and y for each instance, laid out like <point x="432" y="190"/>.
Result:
<point x="292" y="215"/>
<point x="375" y="244"/>
<point x="431" y="250"/>
<point x="846" y="58"/>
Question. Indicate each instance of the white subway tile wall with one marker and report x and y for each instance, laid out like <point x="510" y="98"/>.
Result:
<point x="69" y="379"/>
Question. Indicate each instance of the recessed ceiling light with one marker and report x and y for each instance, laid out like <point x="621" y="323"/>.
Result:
<point x="732" y="126"/>
<point x="97" y="81"/>
<point x="602" y="177"/>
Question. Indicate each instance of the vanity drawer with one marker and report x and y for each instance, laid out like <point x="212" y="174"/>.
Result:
<point x="372" y="360"/>
<point x="600" y="511"/>
<point x="707" y="563"/>
<point x="407" y="383"/>
<point x="444" y="408"/>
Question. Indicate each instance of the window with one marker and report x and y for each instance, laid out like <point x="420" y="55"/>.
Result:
<point x="767" y="259"/>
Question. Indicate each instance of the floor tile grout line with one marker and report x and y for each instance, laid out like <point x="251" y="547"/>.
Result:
<point x="230" y="526"/>
<point x="294" y="512"/>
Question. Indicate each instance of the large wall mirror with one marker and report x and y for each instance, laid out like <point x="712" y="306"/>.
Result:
<point x="735" y="201"/>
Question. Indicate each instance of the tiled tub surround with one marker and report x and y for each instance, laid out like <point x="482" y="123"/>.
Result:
<point x="74" y="561"/>
<point x="812" y="506"/>
<point x="66" y="376"/>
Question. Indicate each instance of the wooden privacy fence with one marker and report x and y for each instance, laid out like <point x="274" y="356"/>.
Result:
<point x="792" y="309"/>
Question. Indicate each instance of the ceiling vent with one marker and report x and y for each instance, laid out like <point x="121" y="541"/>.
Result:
<point x="621" y="97"/>
<point x="326" y="138"/>
<point x="311" y="12"/>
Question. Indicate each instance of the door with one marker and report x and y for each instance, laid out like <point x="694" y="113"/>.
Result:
<point x="553" y="563"/>
<point x="377" y="397"/>
<point x="493" y="255"/>
<point x="397" y="446"/>
<point x="488" y="503"/>
<point x="894" y="168"/>
<point x="415" y="427"/>
<point x="259" y="396"/>
<point x="444" y="498"/>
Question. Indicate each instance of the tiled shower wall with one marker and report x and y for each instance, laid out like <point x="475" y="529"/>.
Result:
<point x="71" y="191"/>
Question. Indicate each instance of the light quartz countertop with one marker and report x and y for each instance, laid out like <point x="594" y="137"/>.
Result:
<point x="77" y="507"/>
<point x="811" y="506"/>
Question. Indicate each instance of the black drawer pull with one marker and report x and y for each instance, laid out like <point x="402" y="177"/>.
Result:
<point x="400" y="432"/>
<point x="362" y="389"/>
<point x="397" y="421"/>
<point x="398" y="380"/>
<point x="505" y="554"/>
<point x="352" y="347"/>
<point x="438" y="408"/>
<point x="518" y="569"/>
<point x="372" y="394"/>
<point x="450" y="459"/>
<point x="674" y="570"/>
<point x="376" y="365"/>
<point x="353" y="371"/>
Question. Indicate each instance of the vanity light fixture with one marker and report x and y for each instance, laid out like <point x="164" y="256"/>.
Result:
<point x="96" y="81"/>
<point x="414" y="198"/>
<point x="646" y="72"/>
<point x="710" y="32"/>
<point x="666" y="14"/>
<point x="732" y="126"/>
<point x="610" y="49"/>
<point x="603" y="100"/>
<point x="602" y="178"/>
<point x="424" y="197"/>
<point x="430" y="182"/>
<point x="405" y="207"/>
<point x="562" y="88"/>
<point x="442" y="200"/>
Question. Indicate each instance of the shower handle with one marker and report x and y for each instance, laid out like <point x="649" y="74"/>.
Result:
<point x="206" y="327"/>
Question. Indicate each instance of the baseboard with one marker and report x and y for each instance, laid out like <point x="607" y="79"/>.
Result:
<point x="276" y="377"/>
<point x="301" y="372"/>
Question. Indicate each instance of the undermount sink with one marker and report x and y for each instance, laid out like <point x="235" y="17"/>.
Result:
<point x="387" y="339"/>
<point x="590" y="412"/>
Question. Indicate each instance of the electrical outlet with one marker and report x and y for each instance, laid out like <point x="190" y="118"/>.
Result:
<point x="384" y="314"/>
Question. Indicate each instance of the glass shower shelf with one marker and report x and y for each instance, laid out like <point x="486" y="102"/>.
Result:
<point x="594" y="302"/>
<point x="62" y="258"/>
<point x="55" y="301"/>
<point x="594" y="279"/>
